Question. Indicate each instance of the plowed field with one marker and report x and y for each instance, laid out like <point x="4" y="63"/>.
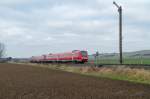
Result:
<point x="28" y="82"/>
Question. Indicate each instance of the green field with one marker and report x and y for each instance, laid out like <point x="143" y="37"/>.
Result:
<point x="135" y="57"/>
<point x="125" y="61"/>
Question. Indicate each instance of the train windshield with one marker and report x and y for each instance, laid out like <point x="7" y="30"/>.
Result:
<point x="84" y="53"/>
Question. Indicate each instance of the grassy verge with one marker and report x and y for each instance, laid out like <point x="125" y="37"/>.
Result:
<point x="117" y="73"/>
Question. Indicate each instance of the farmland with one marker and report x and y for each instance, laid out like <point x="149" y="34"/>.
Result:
<point x="125" y="61"/>
<point x="29" y="82"/>
<point x="137" y="57"/>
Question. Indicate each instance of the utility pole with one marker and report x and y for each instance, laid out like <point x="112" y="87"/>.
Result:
<point x="120" y="31"/>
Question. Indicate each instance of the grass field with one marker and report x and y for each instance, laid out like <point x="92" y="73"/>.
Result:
<point x="125" y="61"/>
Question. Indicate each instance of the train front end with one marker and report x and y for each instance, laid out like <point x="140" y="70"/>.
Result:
<point x="84" y="56"/>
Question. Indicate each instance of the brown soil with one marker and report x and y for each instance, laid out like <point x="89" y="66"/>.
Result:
<point x="27" y="82"/>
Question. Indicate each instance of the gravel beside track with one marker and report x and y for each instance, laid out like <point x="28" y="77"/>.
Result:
<point x="28" y="82"/>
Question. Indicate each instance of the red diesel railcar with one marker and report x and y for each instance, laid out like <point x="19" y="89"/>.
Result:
<point x="74" y="56"/>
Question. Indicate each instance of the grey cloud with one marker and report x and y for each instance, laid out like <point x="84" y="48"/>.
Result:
<point x="39" y="27"/>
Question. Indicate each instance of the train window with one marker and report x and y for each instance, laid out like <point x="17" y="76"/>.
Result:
<point x="74" y="51"/>
<point x="84" y="53"/>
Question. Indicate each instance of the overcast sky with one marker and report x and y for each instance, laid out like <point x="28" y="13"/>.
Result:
<point x="35" y="27"/>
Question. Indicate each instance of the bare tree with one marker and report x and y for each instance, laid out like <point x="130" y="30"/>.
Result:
<point x="2" y="50"/>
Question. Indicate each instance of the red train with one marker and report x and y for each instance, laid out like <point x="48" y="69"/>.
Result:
<point x="74" y="56"/>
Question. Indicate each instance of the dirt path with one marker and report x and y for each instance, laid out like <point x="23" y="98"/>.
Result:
<point x="27" y="82"/>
